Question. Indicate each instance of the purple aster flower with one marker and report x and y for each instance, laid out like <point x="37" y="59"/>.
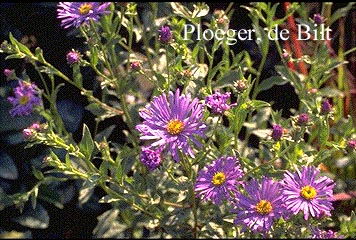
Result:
<point x="218" y="180"/>
<point x="277" y="132"/>
<point x="173" y="122"/>
<point x="165" y="34"/>
<point x="317" y="233"/>
<point x="26" y="97"/>
<point x="318" y="19"/>
<point x="151" y="158"/>
<point x="303" y="119"/>
<point x="325" y="107"/>
<point x="77" y="13"/>
<point x="73" y="57"/>
<point x="305" y="191"/>
<point x="217" y="102"/>
<point x="260" y="206"/>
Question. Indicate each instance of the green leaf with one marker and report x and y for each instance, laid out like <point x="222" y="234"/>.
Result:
<point x="37" y="218"/>
<point x="86" y="145"/>
<point x="291" y="77"/>
<point x="108" y="226"/>
<point x="77" y="76"/>
<point x="95" y="109"/>
<point x="330" y="92"/>
<point x="227" y="80"/>
<point x="348" y="227"/>
<point x="15" y="56"/>
<point x="39" y="55"/>
<point x="87" y="189"/>
<point x="270" y="82"/>
<point x="8" y="169"/>
<point x="20" y="46"/>
<point x="257" y="104"/>
<point x="341" y="12"/>
<point x="104" y="134"/>
<point x="34" y="195"/>
<point x="37" y="173"/>
<point x="324" y="132"/>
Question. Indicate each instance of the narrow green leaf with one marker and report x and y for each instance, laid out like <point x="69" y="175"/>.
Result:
<point x="19" y="45"/>
<point x="86" y="145"/>
<point x="227" y="80"/>
<point x="270" y="82"/>
<point x="77" y="76"/>
<point x="324" y="132"/>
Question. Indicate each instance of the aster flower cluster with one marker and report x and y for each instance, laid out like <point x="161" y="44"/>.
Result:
<point x="25" y="99"/>
<point x="260" y="203"/>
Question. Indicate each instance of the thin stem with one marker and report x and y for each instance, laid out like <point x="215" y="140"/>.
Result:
<point x="167" y="66"/>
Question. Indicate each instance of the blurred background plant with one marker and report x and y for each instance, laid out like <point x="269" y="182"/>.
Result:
<point x="78" y="173"/>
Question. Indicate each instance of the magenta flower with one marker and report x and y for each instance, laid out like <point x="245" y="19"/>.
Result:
<point x="305" y="191"/>
<point x="277" y="132"/>
<point x="73" y="57"/>
<point x="318" y="19"/>
<point x="10" y="74"/>
<point x="78" y="13"/>
<point x="260" y="205"/>
<point x="351" y="144"/>
<point x="174" y="123"/>
<point x="135" y="65"/>
<point x="217" y="102"/>
<point x="325" y="107"/>
<point x="31" y="130"/>
<point x="151" y="158"/>
<point x="217" y="181"/>
<point x="165" y="34"/>
<point x="26" y="97"/>
<point x="303" y="119"/>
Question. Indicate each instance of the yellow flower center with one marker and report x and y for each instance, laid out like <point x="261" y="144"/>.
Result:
<point x="85" y="8"/>
<point x="264" y="207"/>
<point x="23" y="100"/>
<point x="218" y="178"/>
<point x="175" y="126"/>
<point x="308" y="192"/>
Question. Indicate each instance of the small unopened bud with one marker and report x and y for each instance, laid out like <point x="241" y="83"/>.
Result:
<point x="73" y="57"/>
<point x="136" y="65"/>
<point x="325" y="107"/>
<point x="312" y="91"/>
<point x="240" y="85"/>
<point x="165" y="34"/>
<point x="318" y="19"/>
<point x="303" y="119"/>
<point x="10" y="74"/>
<point x="277" y="132"/>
